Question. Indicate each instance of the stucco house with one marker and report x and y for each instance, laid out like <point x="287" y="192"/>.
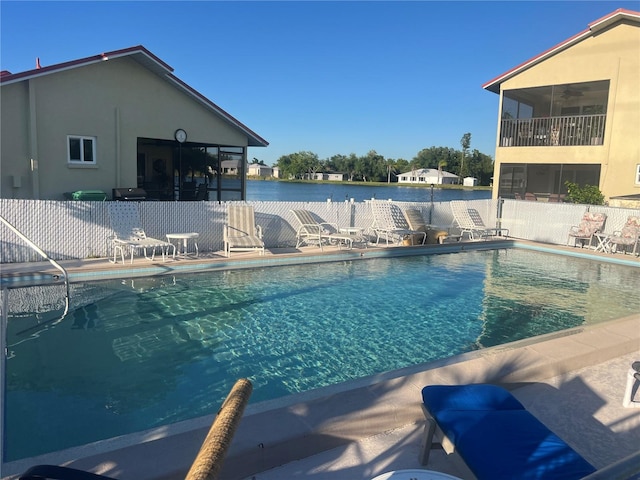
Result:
<point x="429" y="176"/>
<point x="572" y="113"/>
<point x="331" y="176"/>
<point x="120" y="119"/>
<point x="257" y="170"/>
<point x="469" y="181"/>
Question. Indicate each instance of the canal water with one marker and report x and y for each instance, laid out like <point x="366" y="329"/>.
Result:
<point x="274" y="191"/>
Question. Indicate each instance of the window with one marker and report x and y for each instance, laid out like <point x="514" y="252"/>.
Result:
<point x="82" y="150"/>
<point x="638" y="174"/>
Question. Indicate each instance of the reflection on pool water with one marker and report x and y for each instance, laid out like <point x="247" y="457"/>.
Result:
<point x="136" y="354"/>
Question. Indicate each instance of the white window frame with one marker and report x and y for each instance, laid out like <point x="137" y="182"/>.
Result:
<point x="81" y="161"/>
<point x="638" y="174"/>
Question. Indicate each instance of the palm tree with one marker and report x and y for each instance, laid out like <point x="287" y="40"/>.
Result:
<point x="441" y="163"/>
<point x="390" y="164"/>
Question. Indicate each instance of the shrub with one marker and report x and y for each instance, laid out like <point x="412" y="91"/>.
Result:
<point x="585" y="194"/>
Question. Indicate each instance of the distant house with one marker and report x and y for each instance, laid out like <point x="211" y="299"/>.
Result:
<point x="120" y="119"/>
<point x="230" y="167"/>
<point x="572" y="113"/>
<point x="257" y="170"/>
<point x="429" y="176"/>
<point x="470" y="181"/>
<point x="334" y="177"/>
<point x="276" y="172"/>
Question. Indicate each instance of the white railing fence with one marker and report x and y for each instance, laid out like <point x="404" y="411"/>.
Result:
<point x="79" y="230"/>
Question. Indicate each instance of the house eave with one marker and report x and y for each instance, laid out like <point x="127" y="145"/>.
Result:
<point x="152" y="63"/>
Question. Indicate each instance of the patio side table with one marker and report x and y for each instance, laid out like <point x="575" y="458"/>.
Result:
<point x="185" y="237"/>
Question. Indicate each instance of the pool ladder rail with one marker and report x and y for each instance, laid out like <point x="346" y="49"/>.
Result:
<point x="5" y="315"/>
<point x="46" y="257"/>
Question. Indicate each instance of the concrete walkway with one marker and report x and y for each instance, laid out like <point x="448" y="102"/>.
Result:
<point x="584" y="407"/>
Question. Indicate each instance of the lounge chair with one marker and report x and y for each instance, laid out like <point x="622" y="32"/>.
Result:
<point x="416" y="222"/>
<point x="241" y="233"/>
<point x="310" y="231"/>
<point x="389" y="222"/>
<point x="128" y="234"/>
<point x="209" y="460"/>
<point x="495" y="435"/>
<point x="469" y="221"/>
<point x="590" y="224"/>
<point x="628" y="236"/>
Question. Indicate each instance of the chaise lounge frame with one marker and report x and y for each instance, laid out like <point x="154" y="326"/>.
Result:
<point x="312" y="232"/>
<point x="389" y="222"/>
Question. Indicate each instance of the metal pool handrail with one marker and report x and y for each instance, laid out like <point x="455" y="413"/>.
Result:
<point x="45" y="256"/>
<point x="5" y="315"/>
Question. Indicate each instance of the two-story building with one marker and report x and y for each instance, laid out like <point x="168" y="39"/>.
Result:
<point x="120" y="119"/>
<point x="572" y="113"/>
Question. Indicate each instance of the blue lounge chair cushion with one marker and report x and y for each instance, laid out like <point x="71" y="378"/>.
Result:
<point x="468" y="397"/>
<point x="498" y="438"/>
<point x="524" y="447"/>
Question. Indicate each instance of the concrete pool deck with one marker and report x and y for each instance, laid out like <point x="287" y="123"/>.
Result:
<point x="572" y="381"/>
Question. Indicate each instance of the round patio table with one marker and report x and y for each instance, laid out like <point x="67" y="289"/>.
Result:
<point x="185" y="237"/>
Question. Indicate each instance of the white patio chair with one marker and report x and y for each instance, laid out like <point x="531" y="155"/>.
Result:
<point x="469" y="221"/>
<point x="389" y="222"/>
<point x="129" y="236"/>
<point x="310" y="231"/>
<point x="241" y="233"/>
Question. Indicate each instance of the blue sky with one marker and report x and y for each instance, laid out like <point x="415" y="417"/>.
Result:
<point x="326" y="77"/>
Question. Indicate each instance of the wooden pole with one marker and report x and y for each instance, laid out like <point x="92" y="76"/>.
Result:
<point x="208" y="462"/>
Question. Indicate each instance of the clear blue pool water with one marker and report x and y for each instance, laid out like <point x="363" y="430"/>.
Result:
<point x="137" y="354"/>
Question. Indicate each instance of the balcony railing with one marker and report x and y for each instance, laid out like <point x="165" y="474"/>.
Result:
<point x="553" y="131"/>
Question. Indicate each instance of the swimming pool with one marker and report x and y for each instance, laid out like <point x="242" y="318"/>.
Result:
<point x="136" y="354"/>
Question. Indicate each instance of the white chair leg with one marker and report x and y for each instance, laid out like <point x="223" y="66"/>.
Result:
<point x="427" y="440"/>
<point x="633" y="377"/>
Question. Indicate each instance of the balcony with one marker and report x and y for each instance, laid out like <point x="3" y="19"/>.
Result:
<point x="570" y="130"/>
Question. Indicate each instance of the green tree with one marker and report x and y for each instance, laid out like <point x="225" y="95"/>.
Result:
<point x="465" y="142"/>
<point x="390" y="167"/>
<point x="584" y="194"/>
<point x="402" y="165"/>
<point x="374" y="167"/>
<point x="480" y="166"/>
<point x="431" y="157"/>
<point x="299" y="165"/>
<point x="343" y="164"/>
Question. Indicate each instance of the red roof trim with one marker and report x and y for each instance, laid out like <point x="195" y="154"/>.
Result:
<point x="620" y="11"/>
<point x="494" y="84"/>
<point x="84" y="61"/>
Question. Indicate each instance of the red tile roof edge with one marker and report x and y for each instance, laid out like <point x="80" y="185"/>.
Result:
<point x="83" y="61"/>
